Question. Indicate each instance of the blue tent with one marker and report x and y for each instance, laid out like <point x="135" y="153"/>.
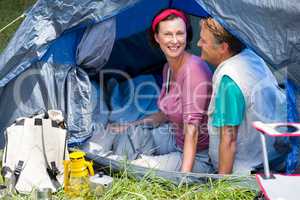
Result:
<point x="61" y="46"/>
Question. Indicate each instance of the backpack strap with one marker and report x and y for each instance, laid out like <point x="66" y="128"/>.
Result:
<point x="53" y="148"/>
<point x="20" y="160"/>
<point x="169" y="75"/>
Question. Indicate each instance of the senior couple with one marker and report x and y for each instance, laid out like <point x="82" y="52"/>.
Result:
<point x="210" y="115"/>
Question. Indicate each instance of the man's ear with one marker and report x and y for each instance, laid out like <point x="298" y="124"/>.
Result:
<point x="225" y="47"/>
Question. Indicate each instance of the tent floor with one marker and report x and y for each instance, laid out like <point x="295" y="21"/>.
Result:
<point x="104" y="163"/>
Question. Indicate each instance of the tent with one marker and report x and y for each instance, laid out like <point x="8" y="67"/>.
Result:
<point x="55" y="57"/>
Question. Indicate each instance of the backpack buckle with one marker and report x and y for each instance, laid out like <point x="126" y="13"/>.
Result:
<point x="18" y="171"/>
<point x="53" y="170"/>
<point x="18" y="168"/>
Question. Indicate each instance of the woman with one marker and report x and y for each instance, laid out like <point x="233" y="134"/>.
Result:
<point x="184" y="96"/>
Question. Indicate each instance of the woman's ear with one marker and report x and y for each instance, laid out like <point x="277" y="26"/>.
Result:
<point x="156" y="37"/>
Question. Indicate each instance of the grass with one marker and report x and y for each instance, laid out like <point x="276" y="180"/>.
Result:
<point x="125" y="186"/>
<point x="10" y="10"/>
<point x="152" y="187"/>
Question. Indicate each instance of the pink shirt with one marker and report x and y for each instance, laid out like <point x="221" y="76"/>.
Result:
<point x="188" y="99"/>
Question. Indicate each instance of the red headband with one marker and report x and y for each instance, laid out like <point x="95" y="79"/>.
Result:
<point x="164" y="14"/>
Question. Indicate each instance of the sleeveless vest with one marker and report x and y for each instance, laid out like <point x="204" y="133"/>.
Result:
<point x="263" y="100"/>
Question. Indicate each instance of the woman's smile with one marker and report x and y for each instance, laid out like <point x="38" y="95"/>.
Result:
<point x="172" y="37"/>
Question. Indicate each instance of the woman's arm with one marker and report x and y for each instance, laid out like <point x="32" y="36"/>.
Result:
<point x="154" y="119"/>
<point x="190" y="147"/>
<point x="196" y="90"/>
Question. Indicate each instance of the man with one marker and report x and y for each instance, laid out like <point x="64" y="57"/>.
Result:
<point x="244" y="91"/>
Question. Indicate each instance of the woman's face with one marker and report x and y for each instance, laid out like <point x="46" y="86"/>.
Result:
<point x="171" y="37"/>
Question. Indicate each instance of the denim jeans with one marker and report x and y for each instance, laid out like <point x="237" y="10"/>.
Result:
<point x="169" y="156"/>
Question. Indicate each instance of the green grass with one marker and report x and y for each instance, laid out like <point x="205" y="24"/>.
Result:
<point x="152" y="187"/>
<point x="10" y="10"/>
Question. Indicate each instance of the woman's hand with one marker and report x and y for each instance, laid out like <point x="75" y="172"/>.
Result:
<point x="118" y="128"/>
<point x="153" y="119"/>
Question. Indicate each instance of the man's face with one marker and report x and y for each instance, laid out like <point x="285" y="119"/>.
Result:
<point x="210" y="51"/>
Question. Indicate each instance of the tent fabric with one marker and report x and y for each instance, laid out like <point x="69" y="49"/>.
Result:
<point x="43" y="68"/>
<point x="41" y="57"/>
<point x="269" y="27"/>
<point x="293" y="116"/>
<point x="133" y="99"/>
<point x="189" y="7"/>
<point x="134" y="55"/>
<point x="99" y="106"/>
<point x="138" y="17"/>
<point x="45" y="22"/>
<point x="96" y="45"/>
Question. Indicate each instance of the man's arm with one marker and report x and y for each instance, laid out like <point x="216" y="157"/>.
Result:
<point x="227" y="148"/>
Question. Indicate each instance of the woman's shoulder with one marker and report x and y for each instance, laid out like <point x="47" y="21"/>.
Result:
<point x="196" y="61"/>
<point x="197" y="66"/>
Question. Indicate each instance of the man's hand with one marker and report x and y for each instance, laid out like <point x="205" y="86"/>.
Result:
<point x="227" y="149"/>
